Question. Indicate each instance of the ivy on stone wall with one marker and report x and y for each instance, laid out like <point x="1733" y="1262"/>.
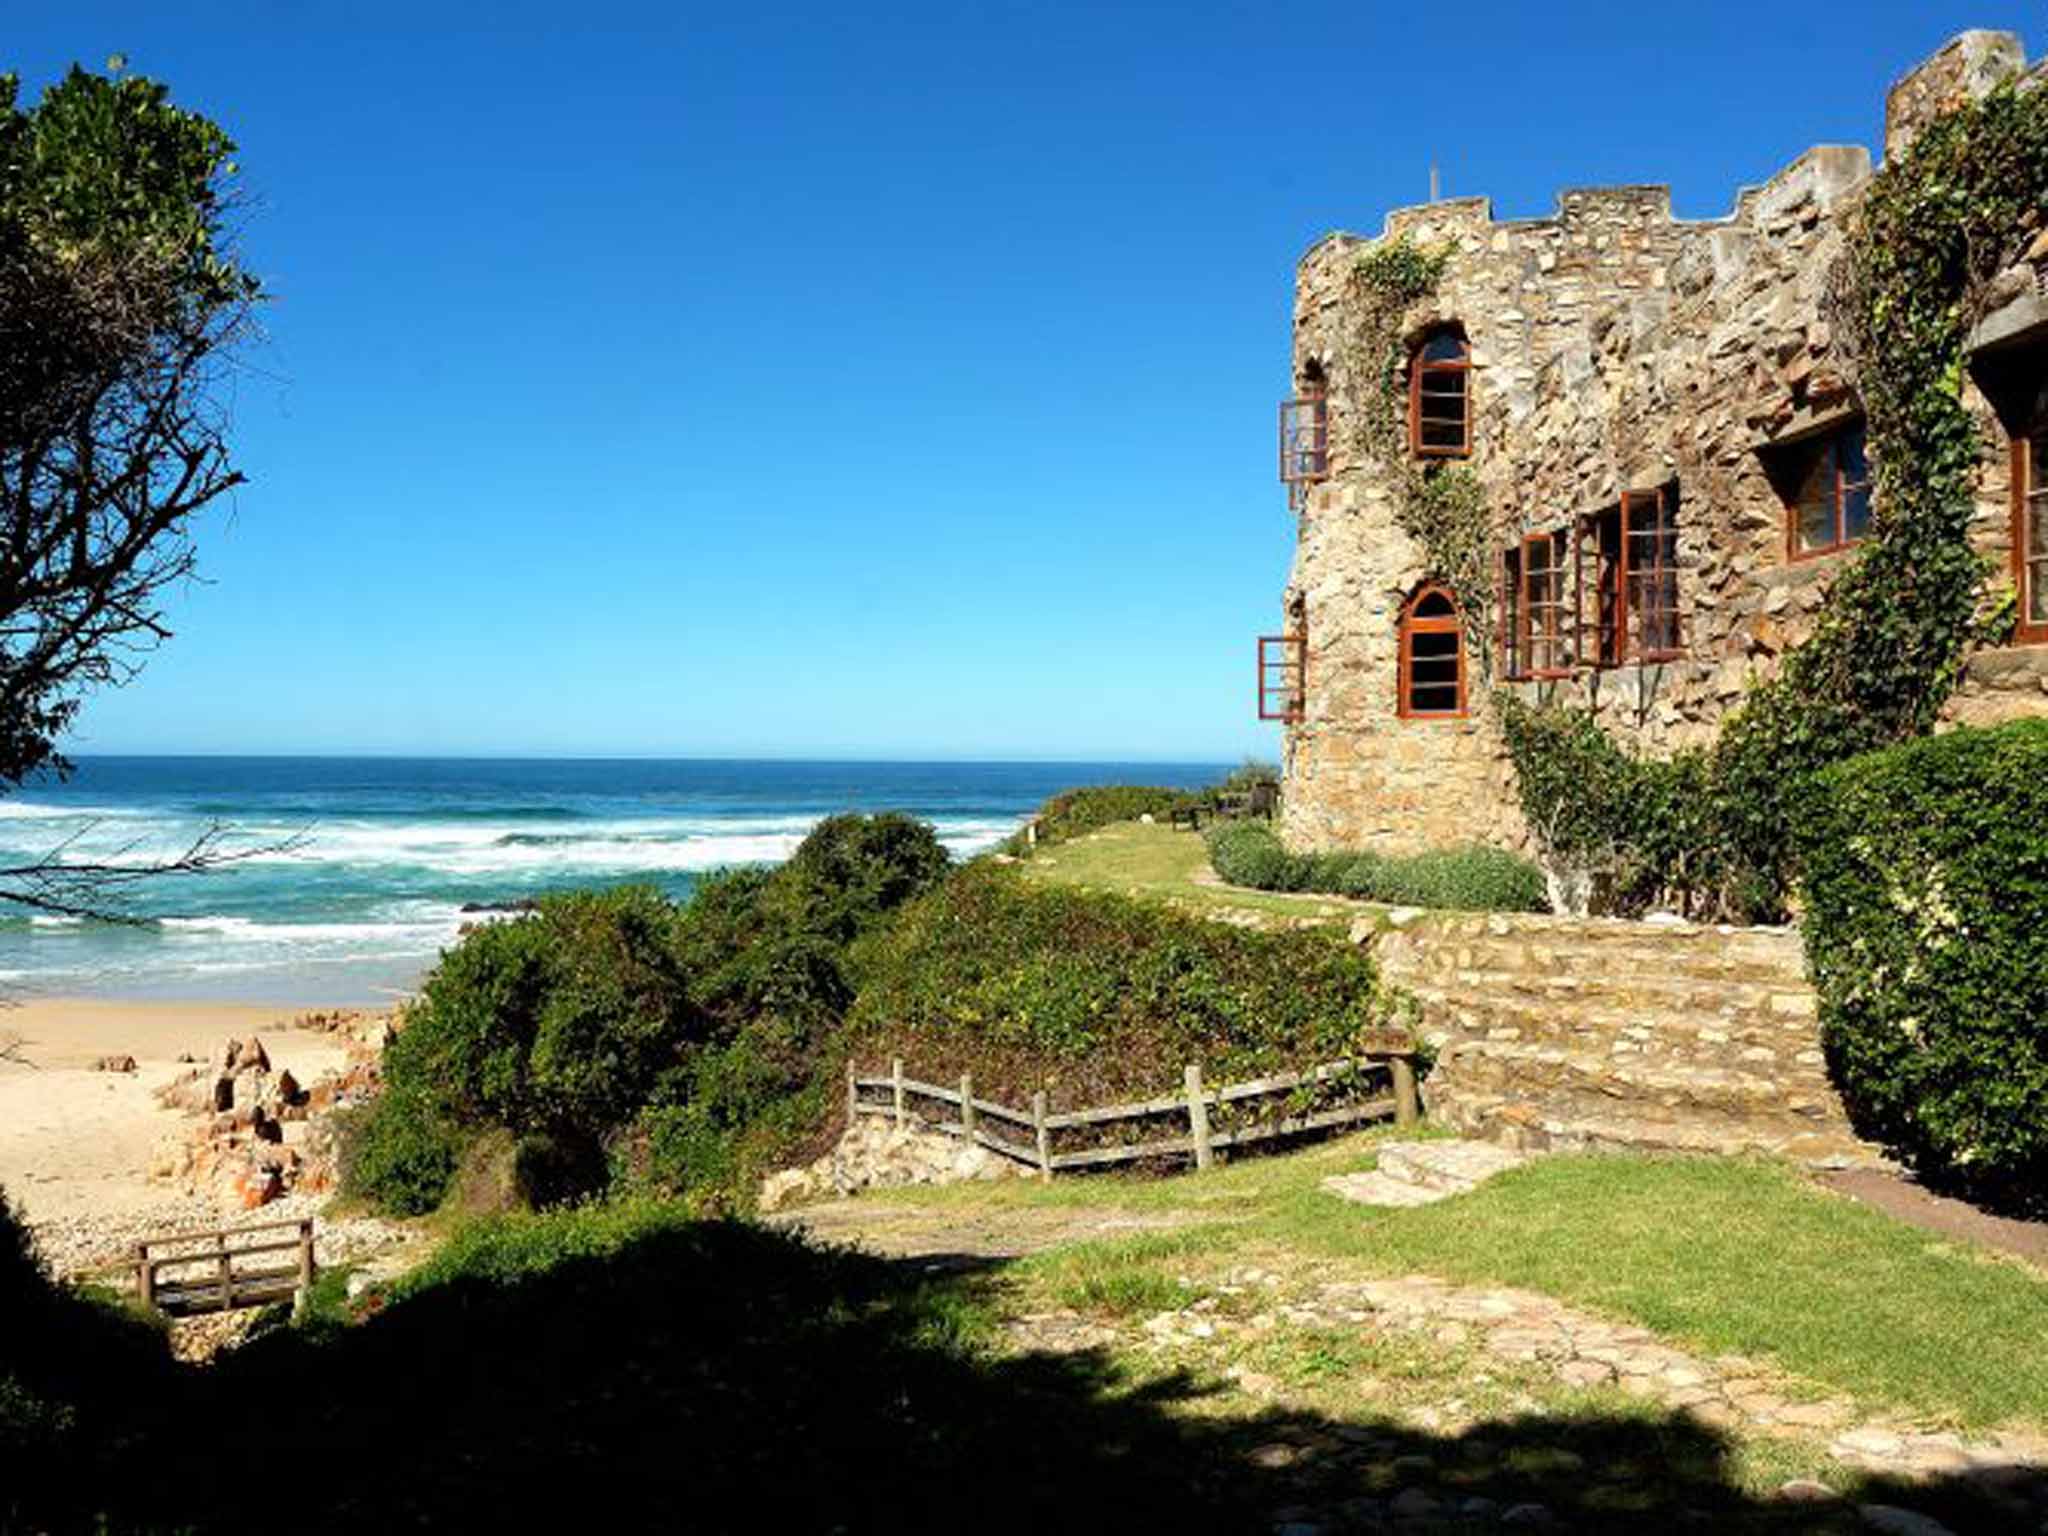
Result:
<point x="1936" y="226"/>
<point x="1440" y="506"/>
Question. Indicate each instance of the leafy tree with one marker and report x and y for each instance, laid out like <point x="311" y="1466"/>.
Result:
<point x="121" y="302"/>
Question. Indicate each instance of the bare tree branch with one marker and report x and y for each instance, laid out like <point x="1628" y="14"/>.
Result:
<point x="94" y="888"/>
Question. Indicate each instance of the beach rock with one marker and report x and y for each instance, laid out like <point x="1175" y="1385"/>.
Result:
<point x="115" y="1064"/>
<point x="223" y="1093"/>
<point x="286" y="1088"/>
<point x="253" y="1055"/>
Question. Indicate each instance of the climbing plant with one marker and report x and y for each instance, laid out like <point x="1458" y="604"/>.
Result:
<point x="1440" y="506"/>
<point x="1937" y="224"/>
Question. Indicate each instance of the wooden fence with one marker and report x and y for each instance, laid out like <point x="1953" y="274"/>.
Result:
<point x="195" y="1272"/>
<point x="1194" y="1101"/>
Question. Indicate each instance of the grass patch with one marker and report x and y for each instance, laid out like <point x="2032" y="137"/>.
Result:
<point x="1164" y="863"/>
<point x="1721" y="1256"/>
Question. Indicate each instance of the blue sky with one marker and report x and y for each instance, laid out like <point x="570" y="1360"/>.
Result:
<point x="832" y="380"/>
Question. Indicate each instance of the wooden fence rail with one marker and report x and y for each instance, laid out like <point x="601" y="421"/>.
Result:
<point x="1195" y="1101"/>
<point x="193" y="1272"/>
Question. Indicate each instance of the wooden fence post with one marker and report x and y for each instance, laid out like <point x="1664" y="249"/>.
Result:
<point x="1198" y="1118"/>
<point x="896" y="1069"/>
<point x="227" y="1275"/>
<point x="306" y="1254"/>
<point x="1407" y="1108"/>
<point x="852" y="1094"/>
<point x="1044" y="1136"/>
<point x="966" y="1106"/>
<point x="145" y="1277"/>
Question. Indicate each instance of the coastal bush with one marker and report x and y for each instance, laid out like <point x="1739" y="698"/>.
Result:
<point x="1474" y="878"/>
<point x="1021" y="982"/>
<point x="1927" y="934"/>
<point x="1074" y="812"/>
<point x="614" y="1035"/>
<point x="398" y="1152"/>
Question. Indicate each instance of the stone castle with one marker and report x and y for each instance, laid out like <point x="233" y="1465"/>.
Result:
<point x="1663" y="424"/>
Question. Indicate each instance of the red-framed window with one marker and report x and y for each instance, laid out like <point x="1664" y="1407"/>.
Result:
<point x="1627" y="578"/>
<point x="1432" y="678"/>
<point x="1283" y="677"/>
<point x="1546" y="610"/>
<point x="2030" y="533"/>
<point x="1830" y="508"/>
<point x="1440" y="396"/>
<point x="1305" y="440"/>
<point x="1514" y="655"/>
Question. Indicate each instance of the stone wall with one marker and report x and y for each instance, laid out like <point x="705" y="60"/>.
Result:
<point x="1591" y="1032"/>
<point x="1614" y="348"/>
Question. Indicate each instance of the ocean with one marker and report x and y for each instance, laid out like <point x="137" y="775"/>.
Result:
<point x="389" y="852"/>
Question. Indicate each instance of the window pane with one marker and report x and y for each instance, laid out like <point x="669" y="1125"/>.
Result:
<point x="1814" y="511"/>
<point x="2037" y="526"/>
<point x="1850" y="460"/>
<point x="1428" y="642"/>
<point x="1437" y="699"/>
<point x="1855" y="511"/>
<point x="1443" y="434"/>
<point x="1444" y="347"/>
<point x="2037" y="591"/>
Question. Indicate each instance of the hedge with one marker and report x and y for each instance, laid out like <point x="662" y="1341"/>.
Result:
<point x="1022" y="982"/>
<point x="1926" y="878"/>
<point x="1473" y="878"/>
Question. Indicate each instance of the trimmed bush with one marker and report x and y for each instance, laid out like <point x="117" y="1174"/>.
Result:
<point x="1926" y="871"/>
<point x="1475" y="878"/>
<point x="1018" y="981"/>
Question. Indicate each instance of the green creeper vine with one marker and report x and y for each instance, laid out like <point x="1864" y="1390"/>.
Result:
<point x="1936" y="226"/>
<point x="1439" y="506"/>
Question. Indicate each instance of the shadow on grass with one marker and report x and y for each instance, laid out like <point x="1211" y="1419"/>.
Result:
<point x="723" y="1377"/>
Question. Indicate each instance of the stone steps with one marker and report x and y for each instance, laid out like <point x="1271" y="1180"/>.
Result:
<point x="1561" y="1032"/>
<point x="1412" y="1173"/>
<point x="1499" y="1066"/>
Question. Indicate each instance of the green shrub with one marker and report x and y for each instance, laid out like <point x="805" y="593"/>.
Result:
<point x="851" y="870"/>
<point x="1018" y="980"/>
<point x="398" y="1152"/>
<point x="1073" y="812"/>
<point x="1474" y="878"/>
<point x="1926" y="871"/>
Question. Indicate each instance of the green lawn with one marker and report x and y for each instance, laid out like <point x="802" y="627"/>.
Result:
<point x="1164" y="862"/>
<point x="1724" y="1256"/>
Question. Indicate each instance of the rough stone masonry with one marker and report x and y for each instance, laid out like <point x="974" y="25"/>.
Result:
<point x="1616" y="351"/>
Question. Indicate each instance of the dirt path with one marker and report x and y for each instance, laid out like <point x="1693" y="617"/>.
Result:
<point x="1902" y="1199"/>
<point x="954" y="1232"/>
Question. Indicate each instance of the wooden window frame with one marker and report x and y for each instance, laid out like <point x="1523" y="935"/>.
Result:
<point x="1562" y="613"/>
<point x="1277" y="654"/>
<point x="2023" y="478"/>
<point x="1305" y="441"/>
<point x="1418" y="375"/>
<point x="1436" y="624"/>
<point x="1618" y="572"/>
<point x="1829" y="445"/>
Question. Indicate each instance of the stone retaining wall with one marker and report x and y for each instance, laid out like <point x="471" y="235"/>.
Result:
<point x="1582" y="1032"/>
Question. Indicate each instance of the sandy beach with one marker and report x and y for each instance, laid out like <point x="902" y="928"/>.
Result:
<point x="75" y="1141"/>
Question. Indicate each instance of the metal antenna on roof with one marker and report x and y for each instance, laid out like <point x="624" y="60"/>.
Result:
<point x="1436" y="190"/>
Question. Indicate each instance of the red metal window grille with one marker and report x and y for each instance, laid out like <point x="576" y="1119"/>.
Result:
<point x="2030" y="533"/>
<point x="1432" y="680"/>
<point x="1283" y="678"/>
<point x="1440" y="396"/>
<point x="1831" y="508"/>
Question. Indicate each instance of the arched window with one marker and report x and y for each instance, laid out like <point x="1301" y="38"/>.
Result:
<point x="1432" y="656"/>
<point x="1440" y="395"/>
